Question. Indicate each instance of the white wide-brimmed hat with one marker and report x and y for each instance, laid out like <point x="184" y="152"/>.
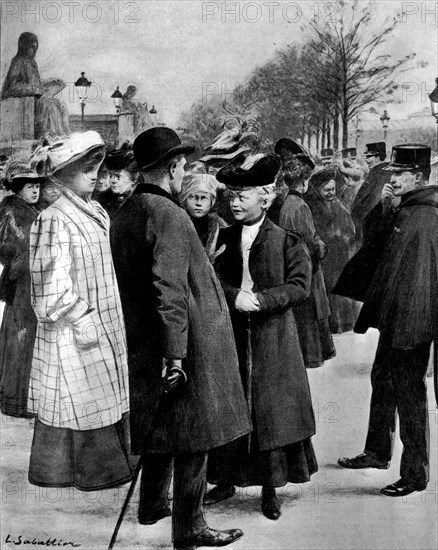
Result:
<point x="48" y="159"/>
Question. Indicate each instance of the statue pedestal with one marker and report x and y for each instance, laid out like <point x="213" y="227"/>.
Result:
<point x="18" y="118"/>
<point x="126" y="128"/>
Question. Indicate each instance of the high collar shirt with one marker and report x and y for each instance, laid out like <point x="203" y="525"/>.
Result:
<point x="249" y="234"/>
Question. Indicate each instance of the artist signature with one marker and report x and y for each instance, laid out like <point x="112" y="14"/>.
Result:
<point x="21" y="539"/>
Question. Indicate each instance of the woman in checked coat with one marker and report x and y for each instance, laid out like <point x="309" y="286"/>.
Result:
<point x="79" y="378"/>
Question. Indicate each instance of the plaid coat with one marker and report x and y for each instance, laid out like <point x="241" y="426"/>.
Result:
<point x="79" y="377"/>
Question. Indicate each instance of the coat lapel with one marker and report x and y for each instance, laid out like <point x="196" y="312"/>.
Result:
<point x="262" y="235"/>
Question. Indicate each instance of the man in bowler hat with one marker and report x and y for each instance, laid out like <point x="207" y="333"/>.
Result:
<point x="396" y="276"/>
<point x="370" y="191"/>
<point x="179" y="338"/>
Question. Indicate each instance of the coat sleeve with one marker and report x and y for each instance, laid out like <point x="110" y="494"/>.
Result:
<point x="298" y="278"/>
<point x="10" y="238"/>
<point x="54" y="295"/>
<point x="222" y="263"/>
<point x="172" y="240"/>
<point x="301" y="220"/>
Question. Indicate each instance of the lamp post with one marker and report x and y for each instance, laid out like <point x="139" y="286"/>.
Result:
<point x="433" y="96"/>
<point x="359" y="132"/>
<point x="82" y="84"/>
<point x="384" y="119"/>
<point x="117" y="97"/>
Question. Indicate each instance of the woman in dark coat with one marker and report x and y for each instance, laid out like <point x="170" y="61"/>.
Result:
<point x="312" y="316"/>
<point x="17" y="213"/>
<point x="265" y="271"/>
<point x="335" y="226"/>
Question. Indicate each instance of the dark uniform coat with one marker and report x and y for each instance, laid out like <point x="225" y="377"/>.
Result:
<point x="19" y="322"/>
<point x="399" y="286"/>
<point x="174" y="307"/>
<point x="280" y="268"/>
<point x="368" y="197"/>
<point x="313" y="314"/>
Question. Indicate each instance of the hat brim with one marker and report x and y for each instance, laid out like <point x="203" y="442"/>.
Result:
<point x="402" y="168"/>
<point x="227" y="156"/>
<point x="183" y="149"/>
<point x="77" y="157"/>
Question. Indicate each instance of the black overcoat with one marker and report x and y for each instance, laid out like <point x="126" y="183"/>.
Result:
<point x="174" y="307"/>
<point x="400" y="290"/>
<point x="281" y="269"/>
<point x="17" y="334"/>
<point x="313" y="314"/>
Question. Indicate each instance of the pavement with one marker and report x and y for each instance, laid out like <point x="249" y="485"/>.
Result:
<point x="338" y="509"/>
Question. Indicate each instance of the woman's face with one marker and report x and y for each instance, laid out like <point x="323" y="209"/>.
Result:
<point x="103" y="180"/>
<point x="50" y="192"/>
<point x="328" y="191"/>
<point x="30" y="193"/>
<point x="83" y="181"/>
<point x="120" y="181"/>
<point x="198" y="204"/>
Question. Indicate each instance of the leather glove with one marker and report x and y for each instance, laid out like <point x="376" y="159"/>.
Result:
<point x="172" y="374"/>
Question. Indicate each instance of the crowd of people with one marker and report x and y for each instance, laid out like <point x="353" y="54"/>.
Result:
<point x="161" y="315"/>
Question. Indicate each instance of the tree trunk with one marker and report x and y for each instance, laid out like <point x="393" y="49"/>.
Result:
<point x="309" y="137"/>
<point x="345" y="127"/>
<point x="336" y="130"/>
<point x="323" y="133"/>
<point x="329" y="135"/>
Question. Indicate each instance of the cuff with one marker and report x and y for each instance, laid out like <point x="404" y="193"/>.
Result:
<point x="76" y="311"/>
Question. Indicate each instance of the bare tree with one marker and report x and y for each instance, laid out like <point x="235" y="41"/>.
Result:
<point x="347" y="54"/>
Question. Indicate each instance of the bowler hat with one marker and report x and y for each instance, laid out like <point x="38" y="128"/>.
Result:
<point x="376" y="149"/>
<point x="349" y="153"/>
<point x="155" y="145"/>
<point x="326" y="153"/>
<point x="409" y="156"/>
<point x="292" y="146"/>
<point x="262" y="172"/>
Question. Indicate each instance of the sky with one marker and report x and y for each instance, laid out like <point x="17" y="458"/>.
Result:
<point x="177" y="52"/>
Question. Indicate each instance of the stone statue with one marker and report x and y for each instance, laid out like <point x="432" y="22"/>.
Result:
<point x="142" y="118"/>
<point x="23" y="79"/>
<point x="51" y="112"/>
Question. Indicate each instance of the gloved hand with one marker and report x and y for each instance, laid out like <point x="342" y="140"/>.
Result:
<point x="172" y="374"/>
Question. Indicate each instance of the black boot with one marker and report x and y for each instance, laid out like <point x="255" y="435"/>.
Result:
<point x="271" y="506"/>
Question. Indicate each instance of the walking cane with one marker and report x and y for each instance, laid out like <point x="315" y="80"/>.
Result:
<point x="136" y="473"/>
<point x="140" y="462"/>
<point x="435" y="370"/>
<point x="248" y="365"/>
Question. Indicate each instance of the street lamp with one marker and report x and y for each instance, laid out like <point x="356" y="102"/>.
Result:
<point x="117" y="97"/>
<point x="82" y="84"/>
<point x="384" y="119"/>
<point x="433" y="96"/>
<point x="359" y="132"/>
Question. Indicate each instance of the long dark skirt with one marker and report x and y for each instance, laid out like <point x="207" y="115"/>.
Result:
<point x="233" y="465"/>
<point x="88" y="460"/>
<point x="16" y="351"/>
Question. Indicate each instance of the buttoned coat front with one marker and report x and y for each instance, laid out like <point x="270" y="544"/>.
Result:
<point x="174" y="307"/>
<point x="281" y="269"/>
<point x="79" y="377"/>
